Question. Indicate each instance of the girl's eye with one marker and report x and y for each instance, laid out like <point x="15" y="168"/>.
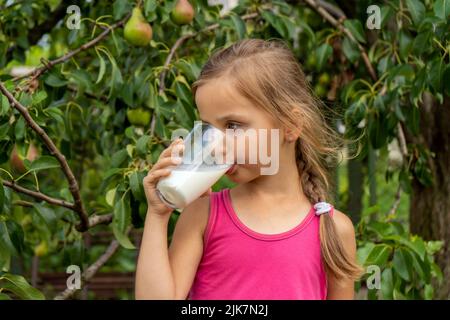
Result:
<point x="233" y="125"/>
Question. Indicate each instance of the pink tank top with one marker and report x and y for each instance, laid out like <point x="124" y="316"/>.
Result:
<point x="241" y="264"/>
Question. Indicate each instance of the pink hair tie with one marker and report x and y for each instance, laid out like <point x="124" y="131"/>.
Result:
<point x="322" y="207"/>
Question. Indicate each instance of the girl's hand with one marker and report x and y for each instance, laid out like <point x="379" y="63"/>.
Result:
<point x="159" y="170"/>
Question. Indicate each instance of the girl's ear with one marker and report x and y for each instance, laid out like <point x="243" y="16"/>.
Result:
<point x="291" y="135"/>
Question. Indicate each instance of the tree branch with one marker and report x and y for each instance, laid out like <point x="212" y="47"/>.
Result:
<point x="73" y="184"/>
<point x="93" y="219"/>
<point x="100" y="219"/>
<point x="87" y="275"/>
<point x="49" y="64"/>
<point x="396" y="203"/>
<point x="402" y="140"/>
<point x="337" y="24"/>
<point x="22" y="203"/>
<point x="47" y="25"/>
<point x="38" y="195"/>
<point x="334" y="10"/>
<point x="5" y="7"/>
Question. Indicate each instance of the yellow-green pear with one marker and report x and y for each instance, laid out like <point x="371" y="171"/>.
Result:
<point x="137" y="30"/>
<point x="182" y="13"/>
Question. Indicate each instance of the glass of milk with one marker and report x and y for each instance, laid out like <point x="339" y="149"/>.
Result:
<point x="204" y="161"/>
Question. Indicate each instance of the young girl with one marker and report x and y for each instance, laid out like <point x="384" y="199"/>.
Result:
<point x="266" y="238"/>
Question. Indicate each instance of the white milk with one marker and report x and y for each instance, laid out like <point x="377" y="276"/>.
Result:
<point x="183" y="186"/>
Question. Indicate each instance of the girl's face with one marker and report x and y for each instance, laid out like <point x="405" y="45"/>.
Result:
<point x="220" y="105"/>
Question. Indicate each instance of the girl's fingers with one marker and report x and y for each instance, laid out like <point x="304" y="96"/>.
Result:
<point x="153" y="176"/>
<point x="165" y="162"/>
<point x="176" y="145"/>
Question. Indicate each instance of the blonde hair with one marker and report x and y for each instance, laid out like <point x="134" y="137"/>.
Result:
<point x="267" y="73"/>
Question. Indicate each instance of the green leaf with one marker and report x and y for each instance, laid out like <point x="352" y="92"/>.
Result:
<point x="54" y="81"/>
<point x="436" y="272"/>
<point x="239" y="26"/>
<point x="149" y="6"/>
<point x="417" y="10"/>
<point x="323" y="53"/>
<point x="142" y="145"/>
<point x="5" y="259"/>
<point x="441" y="8"/>
<point x="290" y="26"/>
<point x="397" y="295"/>
<point x="304" y="27"/>
<point x="118" y="159"/>
<point x="434" y="246"/>
<point x="20" y="287"/>
<point x="19" y="129"/>
<point x="350" y="50"/>
<point x="4" y="129"/>
<point x="364" y="251"/>
<point x="2" y="195"/>
<point x="47" y="215"/>
<point x="102" y="68"/>
<point x="435" y="74"/>
<point x="109" y="197"/>
<point x="120" y="8"/>
<point x="16" y="235"/>
<point x="387" y="284"/>
<point x="137" y="189"/>
<point x="74" y="253"/>
<point x="275" y="22"/>
<point x="418" y="245"/>
<point x="4" y="296"/>
<point x="377" y="129"/>
<point x="4" y="104"/>
<point x="112" y="175"/>
<point x="428" y="292"/>
<point x="182" y="92"/>
<point x="402" y="263"/>
<point x="378" y="255"/>
<point x="421" y="42"/>
<point x="39" y="97"/>
<point x="44" y="162"/>
<point x="386" y="13"/>
<point x="5" y="240"/>
<point x="56" y="113"/>
<point x="121" y="220"/>
<point x="356" y="29"/>
<point x="404" y="44"/>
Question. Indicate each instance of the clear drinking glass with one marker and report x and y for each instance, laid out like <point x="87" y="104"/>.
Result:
<point x="204" y="161"/>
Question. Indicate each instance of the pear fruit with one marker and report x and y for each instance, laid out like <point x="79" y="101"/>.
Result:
<point x="41" y="249"/>
<point x="138" y="116"/>
<point x="16" y="159"/>
<point x="137" y="30"/>
<point x="182" y="13"/>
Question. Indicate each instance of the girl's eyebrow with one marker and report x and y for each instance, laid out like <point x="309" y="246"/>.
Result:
<point x="230" y="116"/>
<point x="227" y="117"/>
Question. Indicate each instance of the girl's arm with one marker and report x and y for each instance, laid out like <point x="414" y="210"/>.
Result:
<point x="343" y="289"/>
<point x="161" y="274"/>
<point x="164" y="273"/>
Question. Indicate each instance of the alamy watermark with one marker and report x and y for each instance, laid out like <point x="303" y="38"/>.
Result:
<point x="210" y="146"/>
<point x="73" y="282"/>
<point x="374" y="19"/>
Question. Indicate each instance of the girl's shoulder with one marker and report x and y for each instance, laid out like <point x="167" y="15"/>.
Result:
<point x="344" y="225"/>
<point x="195" y="215"/>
